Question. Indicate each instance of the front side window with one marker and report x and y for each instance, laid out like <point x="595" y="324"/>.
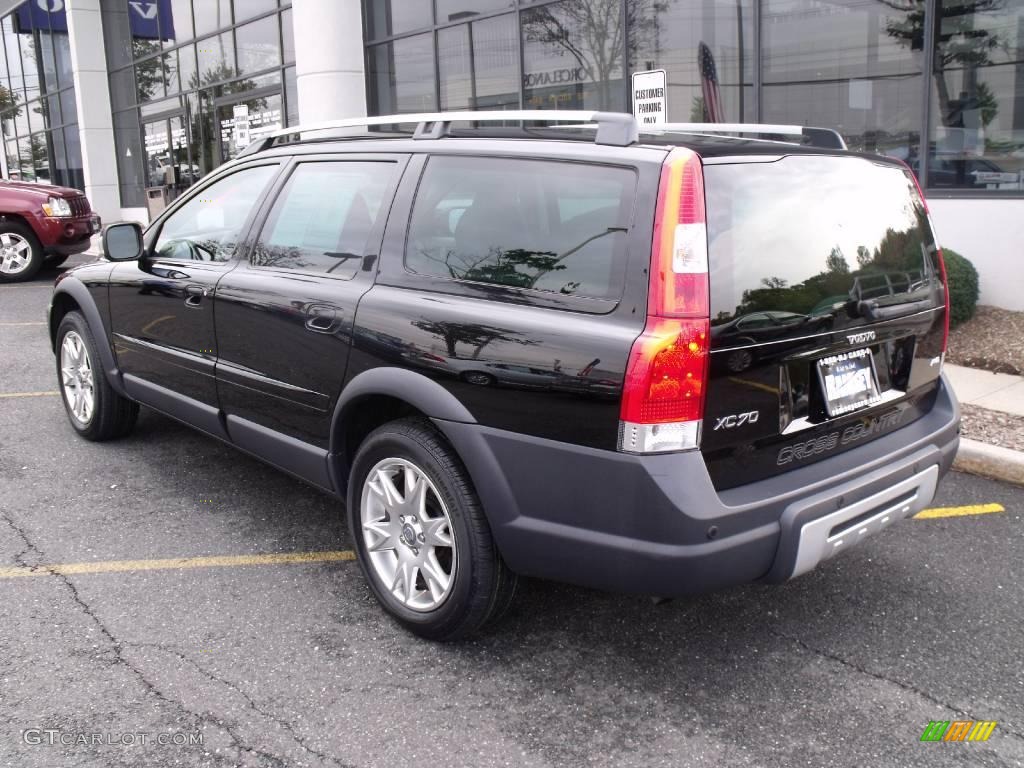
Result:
<point x="209" y="226"/>
<point x="558" y="227"/>
<point x="322" y="220"/>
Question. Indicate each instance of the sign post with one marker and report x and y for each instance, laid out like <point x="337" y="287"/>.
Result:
<point x="650" y="97"/>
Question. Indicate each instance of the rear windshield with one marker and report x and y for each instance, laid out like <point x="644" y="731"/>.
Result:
<point x="812" y="236"/>
<point x="544" y="226"/>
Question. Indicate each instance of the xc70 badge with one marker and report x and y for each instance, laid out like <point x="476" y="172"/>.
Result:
<point x="861" y="338"/>
<point x="736" y="420"/>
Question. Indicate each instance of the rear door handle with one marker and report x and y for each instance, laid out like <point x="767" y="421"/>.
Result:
<point x="320" y="318"/>
<point x="194" y="295"/>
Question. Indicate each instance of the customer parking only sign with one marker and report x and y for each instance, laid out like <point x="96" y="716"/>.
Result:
<point x="650" y="104"/>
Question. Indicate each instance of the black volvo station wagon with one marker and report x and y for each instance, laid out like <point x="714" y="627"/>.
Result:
<point x="660" y="362"/>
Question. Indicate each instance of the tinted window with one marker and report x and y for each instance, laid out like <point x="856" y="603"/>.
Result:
<point x="807" y="239"/>
<point x="523" y="223"/>
<point x="324" y="216"/>
<point x="208" y="226"/>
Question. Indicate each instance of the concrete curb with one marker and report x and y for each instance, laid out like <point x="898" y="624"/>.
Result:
<point x="990" y="461"/>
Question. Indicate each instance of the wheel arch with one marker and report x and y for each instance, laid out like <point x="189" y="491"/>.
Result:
<point x="71" y="295"/>
<point x="374" y="398"/>
<point x="26" y="221"/>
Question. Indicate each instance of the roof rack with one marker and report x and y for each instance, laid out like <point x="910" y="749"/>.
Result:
<point x="819" y="137"/>
<point x="615" y="128"/>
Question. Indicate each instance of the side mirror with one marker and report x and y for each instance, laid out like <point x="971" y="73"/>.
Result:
<point x="122" y="241"/>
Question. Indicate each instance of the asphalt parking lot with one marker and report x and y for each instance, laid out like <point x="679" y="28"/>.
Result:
<point x="290" y="663"/>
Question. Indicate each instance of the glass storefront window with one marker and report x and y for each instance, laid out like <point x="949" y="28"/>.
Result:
<point x="288" y="36"/>
<point x="187" y="68"/>
<point x="401" y="76"/>
<point x="216" y="56"/>
<point x="845" y="65"/>
<point x="707" y="52"/>
<point x="62" y="54"/>
<point x="455" y="68"/>
<point x="464" y="10"/>
<point x="573" y="55"/>
<point x="495" y="45"/>
<point x="291" y="96"/>
<point x="258" y="45"/>
<point x="149" y="79"/>
<point x="246" y="9"/>
<point x="478" y="65"/>
<point x="176" y="22"/>
<point x="211" y="15"/>
<point x="384" y="18"/>
<point x="976" y="136"/>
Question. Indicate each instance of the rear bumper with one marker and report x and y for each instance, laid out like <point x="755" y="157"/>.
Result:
<point x="656" y="525"/>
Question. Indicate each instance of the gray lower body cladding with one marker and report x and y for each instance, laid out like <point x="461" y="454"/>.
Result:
<point x="656" y="525"/>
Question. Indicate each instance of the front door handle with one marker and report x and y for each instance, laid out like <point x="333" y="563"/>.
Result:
<point x="320" y="318"/>
<point x="194" y="295"/>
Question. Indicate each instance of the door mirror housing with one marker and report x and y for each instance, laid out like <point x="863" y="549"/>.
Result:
<point x="122" y="241"/>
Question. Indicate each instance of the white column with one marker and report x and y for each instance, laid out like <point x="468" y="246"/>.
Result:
<point x="92" y="94"/>
<point x="329" y="59"/>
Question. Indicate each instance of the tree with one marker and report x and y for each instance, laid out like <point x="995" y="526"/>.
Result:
<point x="835" y="262"/>
<point x="959" y="45"/>
<point x="475" y="335"/>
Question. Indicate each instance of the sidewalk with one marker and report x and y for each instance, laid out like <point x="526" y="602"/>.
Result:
<point x="995" y="391"/>
<point x="993" y="408"/>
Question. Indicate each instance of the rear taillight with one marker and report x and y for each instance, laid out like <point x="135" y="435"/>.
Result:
<point x="938" y="252"/>
<point x="663" y="393"/>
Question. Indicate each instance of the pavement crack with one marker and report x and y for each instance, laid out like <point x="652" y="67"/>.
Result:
<point x="284" y="724"/>
<point x="117" y="648"/>
<point x="883" y="678"/>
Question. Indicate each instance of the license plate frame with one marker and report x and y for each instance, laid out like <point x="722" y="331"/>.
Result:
<point x="848" y="381"/>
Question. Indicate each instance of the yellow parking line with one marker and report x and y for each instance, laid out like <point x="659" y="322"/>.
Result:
<point x="176" y="563"/>
<point x="972" y="509"/>
<point x="28" y="394"/>
<point x="15" y="325"/>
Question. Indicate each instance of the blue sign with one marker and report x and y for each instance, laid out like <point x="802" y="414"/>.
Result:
<point x="148" y="19"/>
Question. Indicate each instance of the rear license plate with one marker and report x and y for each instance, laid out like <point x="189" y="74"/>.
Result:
<point x="848" y="381"/>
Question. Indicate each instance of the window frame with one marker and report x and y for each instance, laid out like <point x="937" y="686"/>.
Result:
<point x="277" y="190"/>
<point x="407" y="277"/>
<point x="152" y="234"/>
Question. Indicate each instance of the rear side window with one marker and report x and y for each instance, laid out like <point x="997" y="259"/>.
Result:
<point x="323" y="217"/>
<point x="544" y="226"/>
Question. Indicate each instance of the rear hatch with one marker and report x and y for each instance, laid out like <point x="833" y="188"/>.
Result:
<point x="827" y="310"/>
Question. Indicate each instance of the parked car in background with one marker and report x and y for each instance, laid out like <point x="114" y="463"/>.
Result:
<point x="41" y="224"/>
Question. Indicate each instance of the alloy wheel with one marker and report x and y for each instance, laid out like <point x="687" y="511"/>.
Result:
<point x="77" y="377"/>
<point x="15" y="253"/>
<point x="408" y="534"/>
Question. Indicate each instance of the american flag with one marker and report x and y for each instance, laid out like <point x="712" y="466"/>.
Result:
<point x="709" y="85"/>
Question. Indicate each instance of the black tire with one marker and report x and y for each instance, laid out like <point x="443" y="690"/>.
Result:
<point x="482" y="585"/>
<point x="36" y="257"/>
<point x="112" y="415"/>
<point x="56" y="259"/>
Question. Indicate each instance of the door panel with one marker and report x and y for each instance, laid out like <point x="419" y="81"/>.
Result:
<point x="284" y="317"/>
<point x="161" y="306"/>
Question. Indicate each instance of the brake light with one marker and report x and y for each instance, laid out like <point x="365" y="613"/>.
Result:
<point x="942" y="261"/>
<point x="666" y="376"/>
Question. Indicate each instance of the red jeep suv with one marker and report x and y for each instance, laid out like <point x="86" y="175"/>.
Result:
<point x="41" y="224"/>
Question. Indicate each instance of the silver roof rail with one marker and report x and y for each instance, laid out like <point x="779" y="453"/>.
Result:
<point x="819" y="137"/>
<point x="615" y="128"/>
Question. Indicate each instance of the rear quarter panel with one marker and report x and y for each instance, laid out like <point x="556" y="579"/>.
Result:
<point x="544" y="365"/>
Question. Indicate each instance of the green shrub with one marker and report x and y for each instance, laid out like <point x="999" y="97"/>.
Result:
<point x="963" y="287"/>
